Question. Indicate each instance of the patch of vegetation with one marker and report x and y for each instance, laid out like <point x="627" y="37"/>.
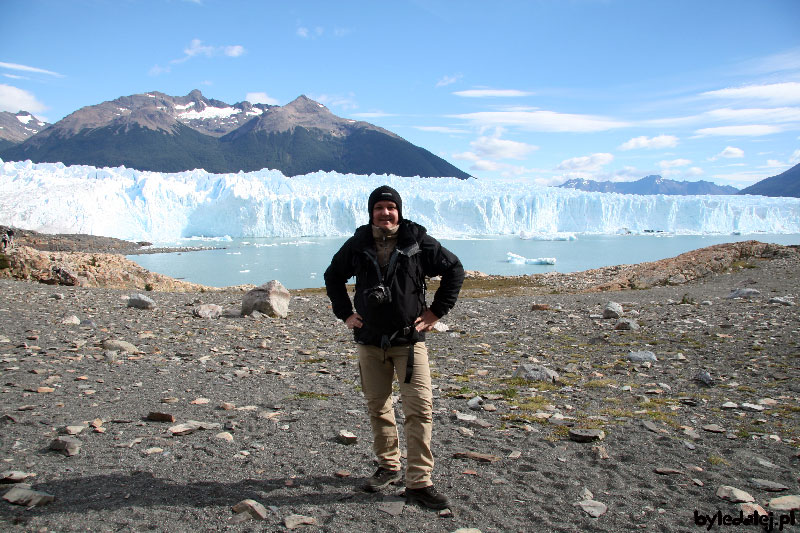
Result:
<point x="688" y="300"/>
<point x="312" y="360"/>
<point x="716" y="460"/>
<point x="148" y="287"/>
<point x="308" y="395"/>
<point x="598" y="383"/>
<point x="742" y="264"/>
<point x="508" y="394"/>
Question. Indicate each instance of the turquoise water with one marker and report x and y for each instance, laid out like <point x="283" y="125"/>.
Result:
<point x="300" y="262"/>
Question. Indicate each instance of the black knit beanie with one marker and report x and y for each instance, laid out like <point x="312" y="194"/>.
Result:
<point x="384" y="192"/>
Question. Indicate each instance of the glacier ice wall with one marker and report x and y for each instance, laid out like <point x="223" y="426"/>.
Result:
<point x="137" y="205"/>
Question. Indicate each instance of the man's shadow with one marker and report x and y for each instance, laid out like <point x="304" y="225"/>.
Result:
<point x="143" y="489"/>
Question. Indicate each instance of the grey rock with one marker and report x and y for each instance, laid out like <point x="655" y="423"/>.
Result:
<point x="586" y="435"/>
<point x="345" y="437"/>
<point x="533" y="372"/>
<point x="743" y="293"/>
<point x="475" y="403"/>
<point x="207" y="311"/>
<point x="119" y="346"/>
<point x="782" y="301"/>
<point x="642" y="357"/>
<point x="392" y="505"/>
<point x="705" y="378"/>
<point x="252" y="507"/>
<point x="769" y="486"/>
<point x="71" y="320"/>
<point x="734" y="495"/>
<point x="272" y="299"/>
<point x="27" y="497"/>
<point x="140" y="301"/>
<point x="593" y="508"/>
<point x="626" y="324"/>
<point x="293" y="521"/>
<point x="785" y="503"/>
<point x="612" y="310"/>
<point x="69" y="446"/>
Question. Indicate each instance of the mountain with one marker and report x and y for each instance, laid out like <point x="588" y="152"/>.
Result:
<point x="162" y="133"/>
<point x="784" y="184"/>
<point x="650" y="185"/>
<point x="17" y="127"/>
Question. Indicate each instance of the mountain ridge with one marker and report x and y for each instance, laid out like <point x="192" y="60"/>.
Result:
<point x="652" y="184"/>
<point x="158" y="132"/>
<point x="786" y="183"/>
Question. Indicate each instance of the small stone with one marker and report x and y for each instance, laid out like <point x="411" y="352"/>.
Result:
<point x="69" y="446"/>
<point x="392" y="505"/>
<point x="224" y="436"/>
<point x="785" y="503"/>
<point x="475" y="403"/>
<point x="210" y="311"/>
<point x="593" y="508"/>
<point x="532" y="372"/>
<point x="781" y="301"/>
<point x="612" y="310"/>
<point x="586" y="494"/>
<point x="734" y="495"/>
<point x="516" y="454"/>
<point x="666" y="471"/>
<point x="73" y="430"/>
<point x="743" y="293"/>
<point x="752" y="407"/>
<point x="27" y="497"/>
<point x="769" y="486"/>
<point x="626" y="324"/>
<point x="293" y="521"/>
<point x="227" y="406"/>
<point x="586" y="435"/>
<point x="642" y="357"/>
<point x="14" y="476"/>
<point x="704" y="377"/>
<point x="345" y="437"/>
<point x="749" y="508"/>
<point x="600" y="452"/>
<point x="713" y="428"/>
<point x="252" y="507"/>
<point x="140" y="301"/>
<point x="71" y="320"/>
<point x="200" y="401"/>
<point x="160" y="417"/>
<point x="342" y="473"/>
<point x="539" y="307"/>
<point x="119" y="346"/>
<point x="730" y="405"/>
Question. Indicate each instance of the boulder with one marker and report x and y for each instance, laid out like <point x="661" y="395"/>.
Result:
<point x="140" y="301"/>
<point x="207" y="311"/>
<point x="536" y="373"/>
<point x="612" y="310"/>
<point x="272" y="299"/>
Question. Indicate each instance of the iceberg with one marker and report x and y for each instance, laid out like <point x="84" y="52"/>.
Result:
<point x="160" y="207"/>
<point x="519" y="260"/>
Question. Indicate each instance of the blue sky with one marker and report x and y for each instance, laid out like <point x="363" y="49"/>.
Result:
<point x="539" y="91"/>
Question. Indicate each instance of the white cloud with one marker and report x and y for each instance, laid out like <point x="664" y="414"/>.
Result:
<point x="448" y="80"/>
<point x="306" y="32"/>
<point x="234" y="51"/>
<point x="586" y="163"/>
<point x="302" y="32"/>
<point x="544" y="121"/>
<point x="695" y="171"/>
<point x="753" y="130"/>
<point x="730" y="152"/>
<point x="440" y="129"/>
<point x="345" y="102"/>
<point x="661" y="141"/>
<point x="773" y="93"/>
<point x="496" y="148"/>
<point x="260" y="98"/>
<point x="674" y="163"/>
<point x="491" y="93"/>
<point x="795" y="157"/>
<point x="13" y="99"/>
<point x="196" y="48"/>
<point x="15" y="77"/>
<point x="25" y="68"/>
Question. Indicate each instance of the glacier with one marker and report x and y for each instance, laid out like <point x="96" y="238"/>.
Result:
<point x="160" y="207"/>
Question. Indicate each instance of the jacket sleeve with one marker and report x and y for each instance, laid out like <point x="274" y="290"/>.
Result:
<point x="340" y="270"/>
<point x="439" y="261"/>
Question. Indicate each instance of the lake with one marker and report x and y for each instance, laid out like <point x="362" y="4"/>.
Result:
<point x="300" y="262"/>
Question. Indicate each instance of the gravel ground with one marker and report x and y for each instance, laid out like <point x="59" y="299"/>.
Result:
<point x="274" y="394"/>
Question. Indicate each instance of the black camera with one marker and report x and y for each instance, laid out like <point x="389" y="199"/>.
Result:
<point x="378" y="296"/>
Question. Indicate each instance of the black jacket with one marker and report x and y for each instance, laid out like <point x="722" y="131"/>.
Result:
<point x="417" y="255"/>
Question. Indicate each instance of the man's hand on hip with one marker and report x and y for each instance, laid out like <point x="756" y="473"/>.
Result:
<point x="426" y="321"/>
<point x="354" y="321"/>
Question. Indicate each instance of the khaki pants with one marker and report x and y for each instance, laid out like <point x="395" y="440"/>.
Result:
<point x="378" y="368"/>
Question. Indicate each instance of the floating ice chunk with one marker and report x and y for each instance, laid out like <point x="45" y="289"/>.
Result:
<point x="519" y="260"/>
<point x="556" y="236"/>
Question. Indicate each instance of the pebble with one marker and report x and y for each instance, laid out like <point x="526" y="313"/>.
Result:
<point x="785" y="503"/>
<point x="586" y="435"/>
<point x="252" y="507"/>
<point x="293" y="521"/>
<point x="734" y="495"/>
<point x="642" y="356"/>
<point x="769" y="486"/>
<point x="593" y="508"/>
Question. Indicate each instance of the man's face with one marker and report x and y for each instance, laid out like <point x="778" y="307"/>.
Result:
<point x="385" y="215"/>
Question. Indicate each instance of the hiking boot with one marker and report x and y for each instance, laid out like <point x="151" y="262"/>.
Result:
<point x="427" y="497"/>
<point x="381" y="478"/>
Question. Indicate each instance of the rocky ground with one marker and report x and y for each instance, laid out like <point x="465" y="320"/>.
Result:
<point x="715" y="403"/>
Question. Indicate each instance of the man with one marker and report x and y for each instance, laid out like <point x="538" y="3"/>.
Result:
<point x="390" y="258"/>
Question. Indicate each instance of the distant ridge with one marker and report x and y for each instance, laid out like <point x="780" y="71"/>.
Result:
<point x="162" y="133"/>
<point x="784" y="184"/>
<point x="650" y="185"/>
